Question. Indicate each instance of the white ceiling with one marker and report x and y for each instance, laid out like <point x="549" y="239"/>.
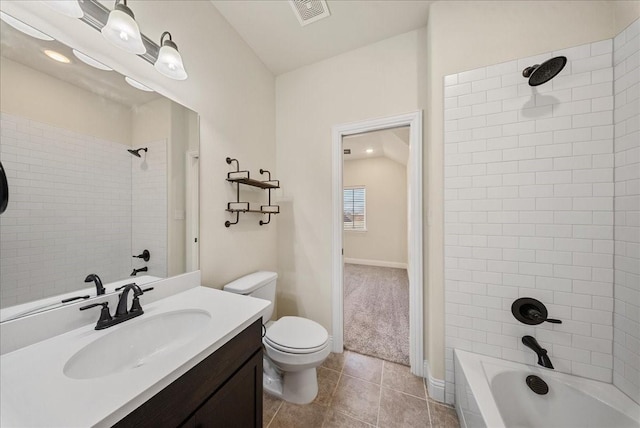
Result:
<point x="390" y="143"/>
<point x="272" y="30"/>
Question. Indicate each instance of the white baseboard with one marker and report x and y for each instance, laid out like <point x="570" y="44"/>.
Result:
<point x="332" y="344"/>
<point x="379" y="263"/>
<point x="435" y="387"/>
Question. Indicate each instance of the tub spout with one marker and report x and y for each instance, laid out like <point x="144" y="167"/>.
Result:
<point x="543" y="358"/>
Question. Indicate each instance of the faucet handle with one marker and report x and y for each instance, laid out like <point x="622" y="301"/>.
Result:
<point x="531" y="311"/>
<point x="105" y="315"/>
<point x="135" y="304"/>
<point x="121" y="287"/>
<point x="534" y="314"/>
<point x="146" y="255"/>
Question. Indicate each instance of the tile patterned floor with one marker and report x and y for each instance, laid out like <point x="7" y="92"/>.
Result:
<point x="358" y="391"/>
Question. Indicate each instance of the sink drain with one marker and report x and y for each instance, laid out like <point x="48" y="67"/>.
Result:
<point x="537" y="385"/>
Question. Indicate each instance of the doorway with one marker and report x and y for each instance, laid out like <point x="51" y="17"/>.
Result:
<point x="376" y="285"/>
<point x="414" y="229"/>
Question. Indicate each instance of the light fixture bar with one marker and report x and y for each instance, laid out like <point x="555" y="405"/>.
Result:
<point x="96" y="15"/>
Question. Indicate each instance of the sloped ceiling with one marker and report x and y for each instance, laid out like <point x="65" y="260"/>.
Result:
<point x="275" y="35"/>
<point x="389" y="143"/>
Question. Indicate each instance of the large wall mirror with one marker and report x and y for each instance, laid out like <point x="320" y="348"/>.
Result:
<point x="99" y="169"/>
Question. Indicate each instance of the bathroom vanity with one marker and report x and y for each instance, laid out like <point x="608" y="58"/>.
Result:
<point x="194" y="358"/>
<point x="224" y="390"/>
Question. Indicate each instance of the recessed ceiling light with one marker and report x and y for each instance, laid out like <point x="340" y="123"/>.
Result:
<point x="369" y="150"/>
<point x="137" y="84"/>
<point x="25" y="28"/>
<point x="56" y="56"/>
<point x="90" y="61"/>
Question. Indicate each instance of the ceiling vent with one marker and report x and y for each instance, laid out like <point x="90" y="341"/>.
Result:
<point x="308" y="11"/>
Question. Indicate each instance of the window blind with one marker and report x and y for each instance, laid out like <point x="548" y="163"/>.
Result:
<point x="354" y="203"/>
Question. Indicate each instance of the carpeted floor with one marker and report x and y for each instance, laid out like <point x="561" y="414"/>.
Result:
<point x="376" y="312"/>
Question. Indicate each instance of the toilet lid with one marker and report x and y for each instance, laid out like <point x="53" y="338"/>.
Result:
<point x="296" y="335"/>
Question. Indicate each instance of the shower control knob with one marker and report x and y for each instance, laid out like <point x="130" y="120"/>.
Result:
<point x="534" y="314"/>
<point x="531" y="312"/>
<point x="146" y="255"/>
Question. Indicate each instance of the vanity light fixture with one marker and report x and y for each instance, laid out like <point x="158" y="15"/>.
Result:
<point x="70" y="8"/>
<point x="137" y="84"/>
<point x="57" y="56"/>
<point x="369" y="151"/>
<point x="122" y="30"/>
<point x="169" y="61"/>
<point x="25" y="28"/>
<point x="90" y="61"/>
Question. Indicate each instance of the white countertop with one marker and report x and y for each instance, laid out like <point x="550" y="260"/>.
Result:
<point x="35" y="392"/>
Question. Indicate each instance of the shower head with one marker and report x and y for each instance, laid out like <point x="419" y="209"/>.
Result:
<point x="542" y="73"/>
<point x="136" y="152"/>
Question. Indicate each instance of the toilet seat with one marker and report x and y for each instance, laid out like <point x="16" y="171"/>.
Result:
<point x="296" y="335"/>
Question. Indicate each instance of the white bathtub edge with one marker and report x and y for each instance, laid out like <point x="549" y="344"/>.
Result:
<point x="476" y="379"/>
<point x="474" y="371"/>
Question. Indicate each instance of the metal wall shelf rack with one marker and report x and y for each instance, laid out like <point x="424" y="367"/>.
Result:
<point x="239" y="177"/>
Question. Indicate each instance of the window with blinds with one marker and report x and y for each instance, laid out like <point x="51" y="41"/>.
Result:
<point x="354" y="206"/>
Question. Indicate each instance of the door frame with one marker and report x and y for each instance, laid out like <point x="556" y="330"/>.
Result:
<point x="192" y="204"/>
<point x="414" y="230"/>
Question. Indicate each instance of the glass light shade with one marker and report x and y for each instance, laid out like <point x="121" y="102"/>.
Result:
<point x="90" y="61"/>
<point x="66" y="7"/>
<point x="25" y="28"/>
<point x="169" y="62"/>
<point x="122" y="31"/>
<point x="137" y="84"/>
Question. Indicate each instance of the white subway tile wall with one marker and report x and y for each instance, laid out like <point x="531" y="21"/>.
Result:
<point x="529" y="201"/>
<point x="69" y="210"/>
<point x="149" y="205"/>
<point x="626" y="317"/>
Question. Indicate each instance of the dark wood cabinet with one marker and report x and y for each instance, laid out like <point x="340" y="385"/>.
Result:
<point x="224" y="390"/>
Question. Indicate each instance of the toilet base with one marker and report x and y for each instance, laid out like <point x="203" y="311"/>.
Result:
<point x="271" y="378"/>
<point x="299" y="387"/>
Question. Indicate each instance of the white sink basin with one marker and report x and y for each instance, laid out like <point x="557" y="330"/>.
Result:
<point x="135" y="344"/>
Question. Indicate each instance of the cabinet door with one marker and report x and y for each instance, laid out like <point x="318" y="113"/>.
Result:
<point x="238" y="403"/>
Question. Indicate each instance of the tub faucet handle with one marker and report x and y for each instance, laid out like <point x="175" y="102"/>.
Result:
<point x="531" y="311"/>
<point x="536" y="315"/>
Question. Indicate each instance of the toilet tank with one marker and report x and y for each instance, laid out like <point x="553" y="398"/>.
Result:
<point x="260" y="284"/>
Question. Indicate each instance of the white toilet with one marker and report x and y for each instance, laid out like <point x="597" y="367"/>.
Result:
<point x="294" y="346"/>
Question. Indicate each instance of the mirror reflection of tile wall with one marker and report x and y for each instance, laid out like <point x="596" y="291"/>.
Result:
<point x="149" y="208"/>
<point x="70" y="207"/>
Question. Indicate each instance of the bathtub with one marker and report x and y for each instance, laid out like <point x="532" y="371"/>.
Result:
<point x="492" y="393"/>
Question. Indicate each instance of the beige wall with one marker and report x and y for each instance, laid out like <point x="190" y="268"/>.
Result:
<point x="233" y="93"/>
<point x="151" y="122"/>
<point x="386" y="210"/>
<point x="29" y="93"/>
<point x="375" y="81"/>
<point x="467" y="35"/>
<point x="624" y="13"/>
